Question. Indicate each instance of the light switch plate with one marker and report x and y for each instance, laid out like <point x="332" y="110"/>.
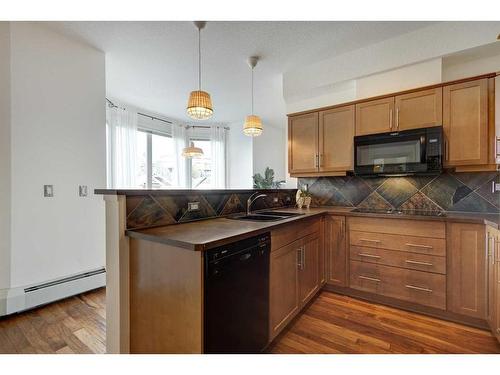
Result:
<point x="48" y="191"/>
<point x="83" y="190"/>
<point x="193" y="206"/>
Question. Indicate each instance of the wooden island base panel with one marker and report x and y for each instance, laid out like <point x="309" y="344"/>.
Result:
<point x="331" y="323"/>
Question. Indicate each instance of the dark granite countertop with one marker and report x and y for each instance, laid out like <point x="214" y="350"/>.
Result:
<point x="206" y="234"/>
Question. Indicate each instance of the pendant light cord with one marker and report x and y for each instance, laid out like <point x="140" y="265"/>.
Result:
<point x="252" y="91"/>
<point x="199" y="58"/>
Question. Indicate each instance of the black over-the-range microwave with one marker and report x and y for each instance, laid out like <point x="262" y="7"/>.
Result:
<point x="415" y="151"/>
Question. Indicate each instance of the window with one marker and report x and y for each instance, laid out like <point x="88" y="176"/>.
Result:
<point x="201" y="168"/>
<point x="156" y="161"/>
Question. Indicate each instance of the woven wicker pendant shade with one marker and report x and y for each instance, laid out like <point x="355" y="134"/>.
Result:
<point x="252" y="126"/>
<point x="199" y="105"/>
<point x="192" y="151"/>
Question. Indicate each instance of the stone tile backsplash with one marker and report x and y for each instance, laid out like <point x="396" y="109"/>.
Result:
<point x="466" y="192"/>
<point x="144" y="211"/>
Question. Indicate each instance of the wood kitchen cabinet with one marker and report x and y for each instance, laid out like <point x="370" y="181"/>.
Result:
<point x="336" y="139"/>
<point x="303" y="143"/>
<point x="375" y="116"/>
<point x="466" y="271"/>
<point x="465" y="123"/>
<point x="284" y="286"/>
<point x="419" y="109"/>
<point x="295" y="275"/>
<point x="335" y="244"/>
<point x="309" y="281"/>
<point x="493" y="244"/>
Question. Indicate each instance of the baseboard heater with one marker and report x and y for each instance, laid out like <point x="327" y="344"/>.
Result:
<point x="64" y="280"/>
<point x="20" y="299"/>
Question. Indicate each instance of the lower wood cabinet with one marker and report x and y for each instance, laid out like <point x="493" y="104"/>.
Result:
<point x="493" y="245"/>
<point x="309" y="281"/>
<point x="284" y="286"/>
<point x="295" y="277"/>
<point x="467" y="279"/>
<point x="335" y="246"/>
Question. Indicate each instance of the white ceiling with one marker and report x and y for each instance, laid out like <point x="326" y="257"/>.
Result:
<point x="153" y="65"/>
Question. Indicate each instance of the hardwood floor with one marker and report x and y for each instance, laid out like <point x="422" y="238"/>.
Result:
<point x="73" y="325"/>
<point x="332" y="324"/>
<point x="340" y="324"/>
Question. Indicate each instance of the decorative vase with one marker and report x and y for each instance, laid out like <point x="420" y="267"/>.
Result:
<point x="300" y="202"/>
<point x="307" y="202"/>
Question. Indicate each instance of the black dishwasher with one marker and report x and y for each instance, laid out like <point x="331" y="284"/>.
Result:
<point x="237" y="296"/>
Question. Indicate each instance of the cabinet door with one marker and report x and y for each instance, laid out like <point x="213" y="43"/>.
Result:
<point x="375" y="116"/>
<point x="336" y="139"/>
<point x="336" y="249"/>
<point x="466" y="281"/>
<point x="465" y="123"/>
<point x="496" y="289"/>
<point x="284" y="292"/>
<point x="309" y="269"/>
<point x="419" y="109"/>
<point x="303" y="143"/>
<point x="491" y="267"/>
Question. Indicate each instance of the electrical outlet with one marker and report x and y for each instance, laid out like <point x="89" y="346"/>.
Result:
<point x="193" y="206"/>
<point x="495" y="187"/>
<point x="275" y="200"/>
<point x="288" y="199"/>
<point x="48" y="191"/>
<point x="83" y="190"/>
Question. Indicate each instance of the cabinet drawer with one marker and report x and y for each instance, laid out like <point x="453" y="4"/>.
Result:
<point x="413" y="261"/>
<point x="420" y="228"/>
<point x="293" y="231"/>
<point x="424" y="288"/>
<point x="414" y="244"/>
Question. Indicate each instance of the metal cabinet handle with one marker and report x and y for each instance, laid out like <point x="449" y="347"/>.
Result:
<point x="368" y="255"/>
<point x="497" y="153"/>
<point x="369" y="278"/>
<point x="299" y="257"/>
<point x="367" y="240"/>
<point x="419" y="288"/>
<point x="419" y="263"/>
<point x="390" y="119"/>
<point x="397" y="118"/>
<point x="303" y="262"/>
<point x="316" y="160"/>
<point x="493" y="186"/>
<point x="417" y="245"/>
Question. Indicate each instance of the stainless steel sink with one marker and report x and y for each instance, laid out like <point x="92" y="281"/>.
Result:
<point x="266" y="216"/>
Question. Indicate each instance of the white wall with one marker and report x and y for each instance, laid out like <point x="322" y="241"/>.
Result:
<point x="269" y="151"/>
<point x="58" y="137"/>
<point x="240" y="158"/>
<point x="4" y="156"/>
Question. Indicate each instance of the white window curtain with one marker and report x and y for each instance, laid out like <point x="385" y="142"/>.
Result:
<point x="122" y="147"/>
<point x="218" y="144"/>
<point x="180" y="141"/>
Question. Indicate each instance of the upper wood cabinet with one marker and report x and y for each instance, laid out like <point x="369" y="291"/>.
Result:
<point x="420" y="109"/>
<point x="335" y="244"/>
<point x="303" y="143"/>
<point x="466" y="281"/>
<point x="321" y="142"/>
<point x="336" y="139"/>
<point x="465" y="123"/>
<point x="375" y="116"/>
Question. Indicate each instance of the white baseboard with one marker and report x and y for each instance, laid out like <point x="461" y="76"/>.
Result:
<point x="18" y="299"/>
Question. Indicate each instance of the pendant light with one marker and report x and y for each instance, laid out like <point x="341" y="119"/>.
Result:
<point x="199" y="104"/>
<point x="192" y="151"/>
<point x="253" y="123"/>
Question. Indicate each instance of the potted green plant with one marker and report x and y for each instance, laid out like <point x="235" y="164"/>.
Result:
<point x="266" y="181"/>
